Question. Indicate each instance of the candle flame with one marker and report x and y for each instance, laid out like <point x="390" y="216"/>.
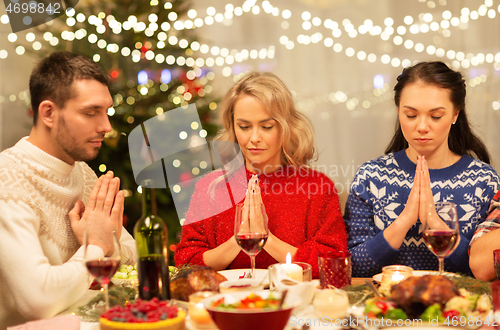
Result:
<point x="397" y="277"/>
<point x="288" y="258"/>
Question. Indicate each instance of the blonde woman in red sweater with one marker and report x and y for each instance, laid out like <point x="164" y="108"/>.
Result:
<point x="302" y="204"/>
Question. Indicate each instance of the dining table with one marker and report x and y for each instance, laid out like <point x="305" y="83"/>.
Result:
<point x="305" y="315"/>
<point x="90" y="294"/>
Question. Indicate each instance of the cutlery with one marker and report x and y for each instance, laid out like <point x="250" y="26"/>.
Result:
<point x="373" y="288"/>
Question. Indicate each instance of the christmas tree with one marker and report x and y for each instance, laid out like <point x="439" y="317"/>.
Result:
<point x="148" y="56"/>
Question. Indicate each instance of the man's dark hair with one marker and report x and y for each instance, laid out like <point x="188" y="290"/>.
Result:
<point x="53" y="77"/>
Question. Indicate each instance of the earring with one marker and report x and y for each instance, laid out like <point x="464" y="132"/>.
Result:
<point x="454" y="122"/>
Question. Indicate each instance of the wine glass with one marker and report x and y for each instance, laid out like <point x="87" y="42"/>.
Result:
<point x="250" y="230"/>
<point x="103" y="269"/>
<point x="441" y="235"/>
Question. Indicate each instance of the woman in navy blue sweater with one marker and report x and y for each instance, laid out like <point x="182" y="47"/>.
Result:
<point x="433" y="156"/>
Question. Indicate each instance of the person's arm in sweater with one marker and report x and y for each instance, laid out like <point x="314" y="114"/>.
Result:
<point x="486" y="239"/>
<point x="40" y="290"/>
<point x="370" y="250"/>
<point x="198" y="244"/>
<point x="371" y="247"/>
<point x="195" y="248"/>
<point x="128" y="249"/>
<point x="480" y="260"/>
<point x="325" y="228"/>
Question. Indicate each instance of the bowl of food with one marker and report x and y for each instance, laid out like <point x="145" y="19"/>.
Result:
<point x="245" y="284"/>
<point x="242" y="309"/>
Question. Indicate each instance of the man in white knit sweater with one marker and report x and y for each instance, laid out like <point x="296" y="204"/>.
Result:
<point x="48" y="193"/>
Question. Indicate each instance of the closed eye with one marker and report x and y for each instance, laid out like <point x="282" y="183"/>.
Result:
<point x="267" y="127"/>
<point x="436" y="117"/>
<point x="411" y="116"/>
<point x="244" y="127"/>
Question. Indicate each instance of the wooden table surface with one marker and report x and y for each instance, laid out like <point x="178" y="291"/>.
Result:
<point x="359" y="280"/>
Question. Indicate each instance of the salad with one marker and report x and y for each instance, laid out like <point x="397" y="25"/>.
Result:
<point x="129" y="272"/>
<point x="253" y="301"/>
<point x="126" y="272"/>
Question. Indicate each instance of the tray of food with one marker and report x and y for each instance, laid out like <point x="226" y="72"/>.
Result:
<point x="434" y="300"/>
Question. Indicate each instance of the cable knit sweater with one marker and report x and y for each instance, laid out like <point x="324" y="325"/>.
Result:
<point x="302" y="207"/>
<point x="378" y="196"/>
<point x="41" y="262"/>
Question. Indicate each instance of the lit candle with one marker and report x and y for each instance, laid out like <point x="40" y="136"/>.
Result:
<point x="292" y="270"/>
<point x="397" y="277"/>
<point x="197" y="312"/>
<point x="392" y="275"/>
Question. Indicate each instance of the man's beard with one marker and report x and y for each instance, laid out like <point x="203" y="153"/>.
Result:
<point x="70" y="145"/>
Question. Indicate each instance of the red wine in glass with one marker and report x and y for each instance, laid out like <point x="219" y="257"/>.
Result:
<point x="440" y="242"/>
<point x="441" y="233"/>
<point x="103" y="270"/>
<point x="251" y="230"/>
<point x="251" y="243"/>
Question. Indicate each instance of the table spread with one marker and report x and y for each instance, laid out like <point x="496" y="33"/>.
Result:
<point x="297" y="320"/>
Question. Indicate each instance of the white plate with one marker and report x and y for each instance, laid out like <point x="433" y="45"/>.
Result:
<point x="417" y="273"/>
<point x="234" y="274"/>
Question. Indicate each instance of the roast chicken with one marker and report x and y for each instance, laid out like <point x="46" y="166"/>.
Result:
<point x="415" y="294"/>
<point x="193" y="279"/>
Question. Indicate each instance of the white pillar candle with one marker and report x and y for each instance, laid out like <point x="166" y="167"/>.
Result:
<point x="292" y="270"/>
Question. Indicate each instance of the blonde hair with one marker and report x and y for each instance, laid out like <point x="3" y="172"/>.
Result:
<point x="296" y="132"/>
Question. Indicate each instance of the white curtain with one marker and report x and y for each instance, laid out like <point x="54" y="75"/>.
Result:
<point x="330" y="72"/>
<point x="359" y="126"/>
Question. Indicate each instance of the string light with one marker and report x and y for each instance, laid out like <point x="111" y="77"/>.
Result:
<point x="424" y="23"/>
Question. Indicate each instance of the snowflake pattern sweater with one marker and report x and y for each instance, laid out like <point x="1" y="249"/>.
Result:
<point x="379" y="193"/>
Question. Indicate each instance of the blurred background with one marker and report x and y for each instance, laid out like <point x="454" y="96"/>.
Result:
<point x="340" y="58"/>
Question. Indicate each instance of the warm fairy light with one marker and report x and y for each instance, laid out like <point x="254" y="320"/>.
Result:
<point x="331" y="33"/>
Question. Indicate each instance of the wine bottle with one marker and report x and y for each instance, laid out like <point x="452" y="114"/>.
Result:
<point x="151" y="238"/>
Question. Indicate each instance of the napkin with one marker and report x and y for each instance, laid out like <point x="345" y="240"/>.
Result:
<point x="62" y="322"/>
<point x="281" y="282"/>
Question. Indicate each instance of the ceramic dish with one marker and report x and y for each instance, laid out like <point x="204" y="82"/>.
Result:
<point x="236" y="274"/>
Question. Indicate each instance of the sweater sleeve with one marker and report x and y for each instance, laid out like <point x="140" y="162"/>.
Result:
<point x="194" y="239"/>
<point x="194" y="242"/>
<point x="490" y="219"/>
<point x="370" y="250"/>
<point x="128" y="250"/>
<point x="459" y="259"/>
<point x="325" y="229"/>
<point x="39" y="289"/>
<point x="207" y="207"/>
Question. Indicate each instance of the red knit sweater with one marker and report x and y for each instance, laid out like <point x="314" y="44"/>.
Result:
<point x="303" y="210"/>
